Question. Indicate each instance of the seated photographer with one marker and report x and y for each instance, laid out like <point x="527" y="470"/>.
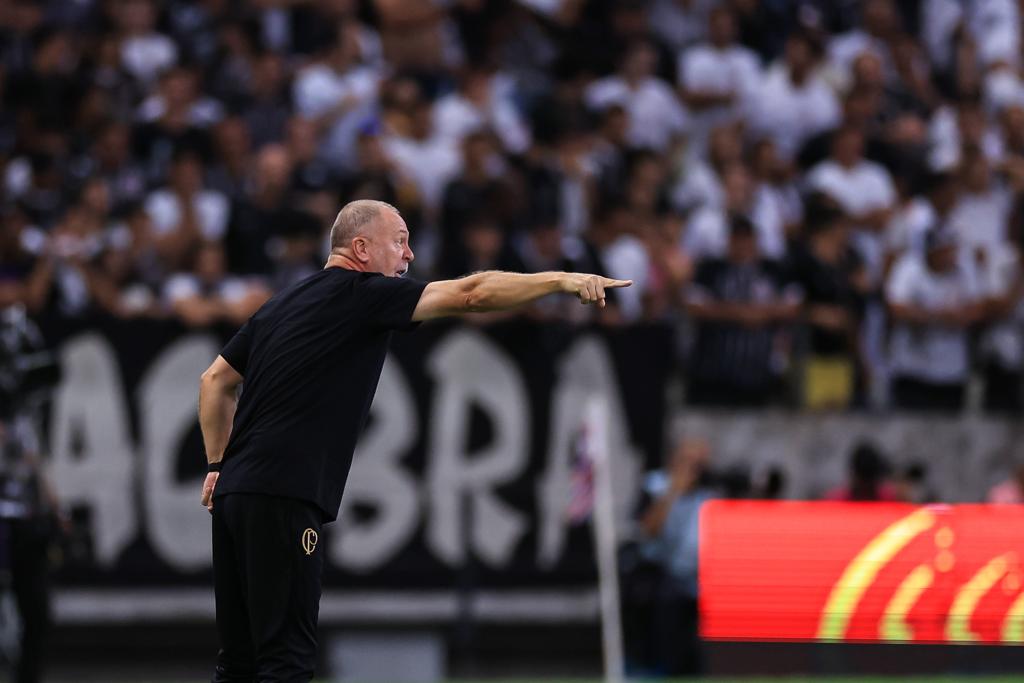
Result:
<point x="670" y="524"/>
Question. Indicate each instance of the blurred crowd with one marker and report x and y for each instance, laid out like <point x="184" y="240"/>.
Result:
<point x="823" y="196"/>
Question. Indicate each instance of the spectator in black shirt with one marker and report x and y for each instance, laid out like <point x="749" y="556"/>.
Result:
<point x="233" y="168"/>
<point x="738" y="303"/>
<point x="49" y="92"/>
<point x="256" y="219"/>
<point x="377" y="177"/>
<point x="311" y="358"/>
<point x="268" y="107"/>
<point x="829" y="271"/>
<point x="110" y="159"/>
<point x="476" y="188"/>
<point x="483" y="244"/>
<point x="16" y="264"/>
<point x="173" y="127"/>
<point x="310" y="173"/>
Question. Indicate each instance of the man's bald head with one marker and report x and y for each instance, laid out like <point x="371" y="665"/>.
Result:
<point x="354" y="219"/>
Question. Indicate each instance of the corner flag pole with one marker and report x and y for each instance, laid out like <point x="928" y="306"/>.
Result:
<point x="605" y="545"/>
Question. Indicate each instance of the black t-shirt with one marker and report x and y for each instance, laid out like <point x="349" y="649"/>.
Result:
<point x="828" y="284"/>
<point x="310" y="359"/>
<point x="729" y="353"/>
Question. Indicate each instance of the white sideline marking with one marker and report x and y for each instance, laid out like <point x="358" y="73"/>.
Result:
<point x="124" y="606"/>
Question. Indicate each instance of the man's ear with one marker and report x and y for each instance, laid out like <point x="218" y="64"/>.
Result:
<point x="359" y="249"/>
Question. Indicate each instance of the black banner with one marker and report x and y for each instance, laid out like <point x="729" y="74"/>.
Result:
<point x="462" y="475"/>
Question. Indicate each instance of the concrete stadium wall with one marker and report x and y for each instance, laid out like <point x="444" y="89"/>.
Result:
<point x="964" y="455"/>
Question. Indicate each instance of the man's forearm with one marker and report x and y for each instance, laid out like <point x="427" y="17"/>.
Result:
<point x="497" y="291"/>
<point x="653" y="520"/>
<point x="913" y="315"/>
<point x="216" y="412"/>
<point x="494" y="290"/>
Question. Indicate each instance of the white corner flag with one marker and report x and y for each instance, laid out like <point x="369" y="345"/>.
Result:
<point x="605" y="545"/>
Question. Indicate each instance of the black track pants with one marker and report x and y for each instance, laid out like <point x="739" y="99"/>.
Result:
<point x="267" y="564"/>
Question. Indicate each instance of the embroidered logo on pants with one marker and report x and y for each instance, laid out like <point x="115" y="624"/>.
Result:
<point x="309" y="539"/>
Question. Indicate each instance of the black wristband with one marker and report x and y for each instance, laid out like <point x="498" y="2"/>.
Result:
<point x="214" y="466"/>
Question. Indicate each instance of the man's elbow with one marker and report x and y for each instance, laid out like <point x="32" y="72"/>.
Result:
<point x="472" y="297"/>
<point x="216" y="379"/>
<point x="210" y="375"/>
<point x="474" y="302"/>
<point x="207" y="381"/>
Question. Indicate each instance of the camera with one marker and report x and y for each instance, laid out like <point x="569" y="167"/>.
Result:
<point x="28" y="373"/>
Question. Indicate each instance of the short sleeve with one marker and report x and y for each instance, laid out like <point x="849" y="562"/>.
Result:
<point x="702" y="289"/>
<point x="694" y="69"/>
<point x="236" y="352"/>
<point x="886" y="190"/>
<point x="179" y="287"/>
<point x="390" y="301"/>
<point x="899" y="288"/>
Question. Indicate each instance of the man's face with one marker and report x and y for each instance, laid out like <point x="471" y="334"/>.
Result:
<point x="849" y="147"/>
<point x="210" y="263"/>
<point x="798" y="56"/>
<point x="640" y="62"/>
<point x="976" y="174"/>
<point x="742" y="248"/>
<point x="722" y="28"/>
<point x="187" y="175"/>
<point x="387" y="244"/>
<point x="943" y="259"/>
<point x="738" y="187"/>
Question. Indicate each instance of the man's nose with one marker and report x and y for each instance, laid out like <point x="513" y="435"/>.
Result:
<point x="409" y="256"/>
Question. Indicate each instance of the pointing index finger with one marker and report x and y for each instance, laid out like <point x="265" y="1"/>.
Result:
<point x="609" y="282"/>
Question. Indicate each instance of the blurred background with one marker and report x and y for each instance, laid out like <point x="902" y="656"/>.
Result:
<point x="818" y="202"/>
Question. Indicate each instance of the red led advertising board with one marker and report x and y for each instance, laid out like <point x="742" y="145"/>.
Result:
<point x="861" y="572"/>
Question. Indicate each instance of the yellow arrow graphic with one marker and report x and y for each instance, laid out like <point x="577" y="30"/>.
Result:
<point x="893" y="625"/>
<point x="862" y="570"/>
<point x="958" y="625"/>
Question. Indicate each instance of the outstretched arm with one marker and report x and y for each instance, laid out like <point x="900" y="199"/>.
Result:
<point x="216" y="412"/>
<point x="497" y="291"/>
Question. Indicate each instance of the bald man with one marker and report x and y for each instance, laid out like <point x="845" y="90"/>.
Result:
<point x="279" y="454"/>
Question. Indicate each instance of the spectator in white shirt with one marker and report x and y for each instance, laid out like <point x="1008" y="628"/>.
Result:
<point x="656" y="117"/>
<point x="338" y="94"/>
<point x="205" y="294"/>
<point x="863" y="189"/>
<point x="614" y="235"/>
<point x="775" y="179"/>
<point x="982" y="212"/>
<point x="707" y="233"/>
<point x="1012" y="128"/>
<point x="955" y="128"/>
<point x="793" y="103"/>
<point x="699" y="181"/>
<point x="184" y="212"/>
<point x="716" y="78"/>
<point x="484" y="100"/>
<point x="992" y="25"/>
<point x="1001" y="87"/>
<point x="427" y="159"/>
<point x="680" y="23"/>
<point x="933" y="299"/>
<point x="179" y="92"/>
<point x="879" y="28"/>
<point x="920" y="209"/>
<point x="144" y="52"/>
